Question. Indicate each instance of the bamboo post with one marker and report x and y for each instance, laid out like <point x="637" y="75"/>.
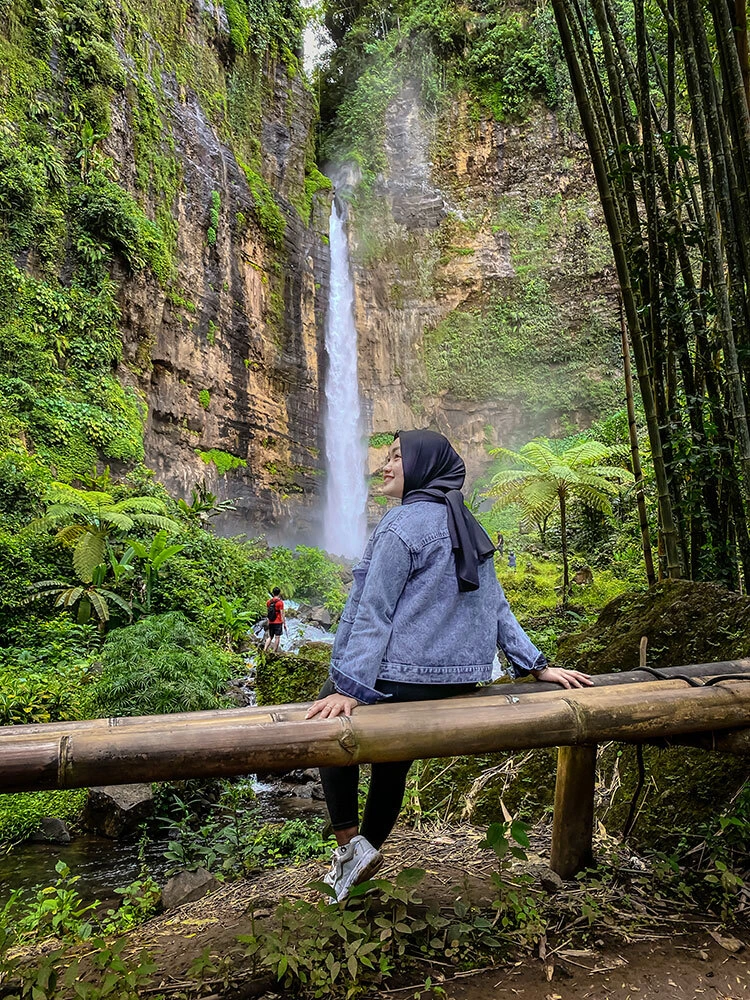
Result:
<point x="573" y="820"/>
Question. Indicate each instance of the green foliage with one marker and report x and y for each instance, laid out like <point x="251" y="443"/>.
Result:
<point x="309" y="574"/>
<point x="58" y="910"/>
<point x="515" y="59"/>
<point x="88" y="520"/>
<point x="22" y="813"/>
<point x="233" y="621"/>
<point x="229" y="838"/>
<point x="506" y="349"/>
<point x="315" y="182"/>
<point x="324" y="950"/>
<point x="204" y="398"/>
<point x="213" y="215"/>
<point x="263" y="24"/>
<point x="380" y="440"/>
<point x="43" y="669"/>
<point x="161" y="664"/>
<point x="281" y="680"/>
<point x="111" y="216"/>
<point x="266" y="211"/>
<point x="139" y="901"/>
<point x="153" y="558"/>
<point x="224" y="461"/>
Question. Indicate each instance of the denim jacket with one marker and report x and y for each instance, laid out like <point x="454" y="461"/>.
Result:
<point x="406" y="620"/>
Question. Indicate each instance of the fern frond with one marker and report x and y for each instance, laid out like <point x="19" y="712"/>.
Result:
<point x="87" y="555"/>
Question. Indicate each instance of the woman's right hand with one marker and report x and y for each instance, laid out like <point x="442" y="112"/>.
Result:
<point x="335" y="704"/>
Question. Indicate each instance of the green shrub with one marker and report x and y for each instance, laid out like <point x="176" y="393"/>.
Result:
<point x="223" y="460"/>
<point x="267" y="212"/>
<point x="204" y="398"/>
<point x="281" y="680"/>
<point x="21" y="814"/>
<point x="162" y="664"/>
<point x="108" y="213"/>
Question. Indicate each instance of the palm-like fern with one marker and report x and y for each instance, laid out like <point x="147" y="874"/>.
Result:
<point x="547" y="475"/>
<point x="87" y="519"/>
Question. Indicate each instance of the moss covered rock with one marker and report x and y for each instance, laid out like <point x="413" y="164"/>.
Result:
<point x="284" y="678"/>
<point x="685" y="623"/>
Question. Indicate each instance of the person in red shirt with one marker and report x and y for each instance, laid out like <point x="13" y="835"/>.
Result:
<point x="276" y="620"/>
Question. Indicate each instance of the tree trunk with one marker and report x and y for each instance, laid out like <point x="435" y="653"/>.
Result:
<point x="564" y="538"/>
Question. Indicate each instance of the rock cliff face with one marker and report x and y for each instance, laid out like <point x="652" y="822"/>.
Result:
<point x="229" y="360"/>
<point x="485" y="296"/>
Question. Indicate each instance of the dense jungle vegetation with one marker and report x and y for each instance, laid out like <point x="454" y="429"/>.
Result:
<point x="120" y="599"/>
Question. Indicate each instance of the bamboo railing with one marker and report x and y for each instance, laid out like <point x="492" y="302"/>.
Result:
<point x="502" y="717"/>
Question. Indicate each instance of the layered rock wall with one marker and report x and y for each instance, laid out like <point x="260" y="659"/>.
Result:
<point x="229" y="360"/>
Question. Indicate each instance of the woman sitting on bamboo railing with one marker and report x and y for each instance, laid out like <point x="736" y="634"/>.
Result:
<point x="424" y="618"/>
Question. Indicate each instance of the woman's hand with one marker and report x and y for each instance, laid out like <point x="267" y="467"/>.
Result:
<point x="565" y="678"/>
<point x="335" y="704"/>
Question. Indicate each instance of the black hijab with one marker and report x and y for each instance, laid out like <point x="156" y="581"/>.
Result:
<point x="434" y="472"/>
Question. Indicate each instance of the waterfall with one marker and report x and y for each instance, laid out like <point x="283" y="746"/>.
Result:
<point x="345" y="521"/>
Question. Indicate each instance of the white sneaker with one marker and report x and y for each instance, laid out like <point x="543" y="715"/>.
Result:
<point x="351" y="864"/>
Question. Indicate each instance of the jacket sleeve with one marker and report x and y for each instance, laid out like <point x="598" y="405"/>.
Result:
<point x="520" y="652"/>
<point x="356" y="672"/>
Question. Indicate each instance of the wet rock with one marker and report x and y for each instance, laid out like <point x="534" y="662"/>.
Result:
<point x="51" y="831"/>
<point x="187" y="887"/>
<point x="321" y="616"/>
<point x="117" y="811"/>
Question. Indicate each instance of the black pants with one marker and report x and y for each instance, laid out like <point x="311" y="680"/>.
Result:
<point x="387" y="781"/>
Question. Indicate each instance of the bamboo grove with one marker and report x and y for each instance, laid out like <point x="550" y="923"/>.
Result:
<point x="662" y="90"/>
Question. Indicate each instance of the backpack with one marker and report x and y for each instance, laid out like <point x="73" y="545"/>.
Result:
<point x="273" y="606"/>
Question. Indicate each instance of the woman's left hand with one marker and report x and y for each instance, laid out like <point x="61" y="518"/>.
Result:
<point x="335" y="704"/>
<point x="565" y="678"/>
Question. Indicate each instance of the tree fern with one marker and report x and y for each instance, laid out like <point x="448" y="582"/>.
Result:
<point x="546" y="474"/>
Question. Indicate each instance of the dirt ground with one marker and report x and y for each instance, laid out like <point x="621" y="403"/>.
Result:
<point x="672" y="955"/>
<point x="683" y="967"/>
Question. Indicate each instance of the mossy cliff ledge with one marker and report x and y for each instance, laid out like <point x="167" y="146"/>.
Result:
<point x="163" y="252"/>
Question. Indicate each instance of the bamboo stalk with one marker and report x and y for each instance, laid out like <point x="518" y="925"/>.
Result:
<point x="158" y="750"/>
<point x="613" y="220"/>
<point x="635" y="456"/>
<point x="295" y="711"/>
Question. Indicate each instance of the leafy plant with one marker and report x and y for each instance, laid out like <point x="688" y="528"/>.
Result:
<point x="87" y="520"/>
<point x="547" y="475"/>
<point x="58" y="910"/>
<point x="153" y="558"/>
<point x="161" y="664"/>
<point x="234" y="620"/>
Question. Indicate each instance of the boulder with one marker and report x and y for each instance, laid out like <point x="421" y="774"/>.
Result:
<point x="117" y="811"/>
<point x="320" y="616"/>
<point x="186" y="887"/>
<point x="584" y="576"/>
<point x="51" y="831"/>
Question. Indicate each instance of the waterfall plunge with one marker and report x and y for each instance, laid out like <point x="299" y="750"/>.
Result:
<point x="345" y="523"/>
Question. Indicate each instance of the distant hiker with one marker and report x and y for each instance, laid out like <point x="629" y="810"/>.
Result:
<point x="424" y="618"/>
<point x="276" y="620"/>
<point x="500" y="543"/>
<point x="511" y="559"/>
